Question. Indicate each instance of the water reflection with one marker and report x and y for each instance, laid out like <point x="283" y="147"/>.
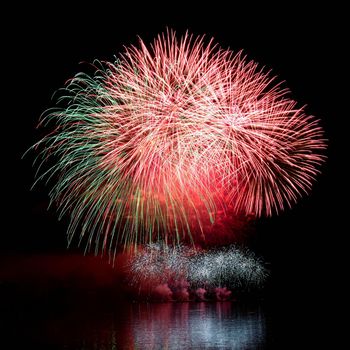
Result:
<point x="197" y="326"/>
<point x="217" y="325"/>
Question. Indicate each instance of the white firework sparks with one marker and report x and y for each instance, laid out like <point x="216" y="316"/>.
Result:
<point x="230" y="266"/>
<point x="233" y="267"/>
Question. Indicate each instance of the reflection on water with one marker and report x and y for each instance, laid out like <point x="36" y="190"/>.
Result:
<point x="217" y="325"/>
<point x="197" y="326"/>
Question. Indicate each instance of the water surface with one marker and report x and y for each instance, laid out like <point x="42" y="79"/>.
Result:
<point x="190" y="325"/>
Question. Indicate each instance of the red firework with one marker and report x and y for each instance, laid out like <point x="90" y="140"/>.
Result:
<point x="172" y="137"/>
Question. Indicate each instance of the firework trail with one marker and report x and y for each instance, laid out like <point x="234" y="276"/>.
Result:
<point x="157" y="144"/>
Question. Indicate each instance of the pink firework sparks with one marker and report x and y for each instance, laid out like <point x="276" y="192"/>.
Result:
<point x="170" y="136"/>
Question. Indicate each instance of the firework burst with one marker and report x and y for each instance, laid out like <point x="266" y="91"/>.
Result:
<point x="157" y="144"/>
<point x="230" y="266"/>
<point x="159" y="263"/>
<point x="234" y="267"/>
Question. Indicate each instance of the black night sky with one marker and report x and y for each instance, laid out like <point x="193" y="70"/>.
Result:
<point x="303" y="46"/>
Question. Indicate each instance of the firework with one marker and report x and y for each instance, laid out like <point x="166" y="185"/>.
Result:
<point x="230" y="266"/>
<point x="168" y="138"/>
<point x="160" y="263"/>
<point x="234" y="267"/>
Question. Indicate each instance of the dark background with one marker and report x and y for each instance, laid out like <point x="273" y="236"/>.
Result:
<point x="305" y="46"/>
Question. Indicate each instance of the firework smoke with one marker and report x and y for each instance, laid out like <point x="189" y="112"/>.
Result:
<point x="222" y="294"/>
<point x="200" y="294"/>
<point x="169" y="138"/>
